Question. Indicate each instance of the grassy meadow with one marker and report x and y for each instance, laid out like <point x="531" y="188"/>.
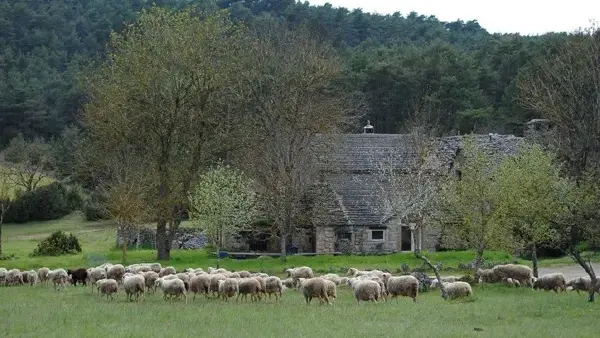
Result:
<point x="493" y="311"/>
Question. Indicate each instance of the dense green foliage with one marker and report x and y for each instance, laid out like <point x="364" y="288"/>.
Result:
<point x="48" y="202"/>
<point x="58" y="243"/>
<point x="466" y="77"/>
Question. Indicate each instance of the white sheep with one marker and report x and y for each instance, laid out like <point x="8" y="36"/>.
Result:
<point x="274" y="286"/>
<point x="200" y="284"/>
<point x="116" y="272"/>
<point x="173" y="288"/>
<point x="249" y="286"/>
<point x="43" y="275"/>
<point x="14" y="277"/>
<point x="228" y="288"/>
<point x="107" y="286"/>
<point x="407" y="286"/>
<point x="96" y="274"/>
<point x="150" y="278"/>
<point x="3" y="272"/>
<point x="582" y="283"/>
<point x="353" y="272"/>
<point x="59" y="277"/>
<point x="29" y="277"/>
<point x="456" y="290"/>
<point x="169" y="270"/>
<point x="331" y="289"/>
<point x="366" y="290"/>
<point x="314" y="288"/>
<point x="519" y="272"/>
<point x="134" y="286"/>
<point x="299" y="272"/>
<point x="552" y="281"/>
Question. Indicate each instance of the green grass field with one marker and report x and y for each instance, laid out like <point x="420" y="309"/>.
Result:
<point x="496" y="311"/>
<point x="98" y="243"/>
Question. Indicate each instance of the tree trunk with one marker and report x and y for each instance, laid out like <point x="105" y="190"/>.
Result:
<point x="218" y="256"/>
<point x="124" y="252"/>
<point x="283" y="246"/>
<point x="534" y="260"/>
<point x="479" y="259"/>
<point x="164" y="251"/>
<point x="587" y="266"/>
<point x="436" y="271"/>
<point x="1" y="220"/>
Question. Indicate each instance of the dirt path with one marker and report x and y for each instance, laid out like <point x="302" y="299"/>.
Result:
<point x="570" y="271"/>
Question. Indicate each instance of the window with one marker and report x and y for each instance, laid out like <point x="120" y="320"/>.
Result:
<point x="377" y="235"/>
<point x="345" y="236"/>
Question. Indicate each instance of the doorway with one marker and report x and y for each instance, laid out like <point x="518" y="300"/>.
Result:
<point x="405" y="239"/>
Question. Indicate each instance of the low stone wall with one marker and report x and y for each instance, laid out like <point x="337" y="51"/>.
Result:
<point x="143" y="237"/>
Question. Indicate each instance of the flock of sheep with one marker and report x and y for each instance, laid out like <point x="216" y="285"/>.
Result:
<point x="373" y="285"/>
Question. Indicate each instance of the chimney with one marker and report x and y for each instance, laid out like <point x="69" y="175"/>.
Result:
<point x="368" y="129"/>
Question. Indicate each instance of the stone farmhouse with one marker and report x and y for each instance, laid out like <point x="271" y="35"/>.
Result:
<point x="350" y="217"/>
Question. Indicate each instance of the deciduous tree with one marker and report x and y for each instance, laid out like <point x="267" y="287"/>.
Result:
<point x="223" y="202"/>
<point x="29" y="161"/>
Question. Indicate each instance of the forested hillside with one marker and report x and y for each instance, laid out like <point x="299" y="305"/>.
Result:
<point x="400" y="63"/>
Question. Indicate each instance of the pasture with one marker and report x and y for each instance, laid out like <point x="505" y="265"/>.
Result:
<point x="493" y="311"/>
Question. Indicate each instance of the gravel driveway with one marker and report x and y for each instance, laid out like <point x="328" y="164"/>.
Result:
<point x="570" y="271"/>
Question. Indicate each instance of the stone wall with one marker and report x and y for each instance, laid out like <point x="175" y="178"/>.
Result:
<point x="143" y="237"/>
<point x="325" y="239"/>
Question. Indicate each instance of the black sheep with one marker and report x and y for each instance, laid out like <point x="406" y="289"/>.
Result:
<point x="78" y="275"/>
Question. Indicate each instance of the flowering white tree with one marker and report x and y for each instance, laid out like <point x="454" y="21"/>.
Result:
<point x="223" y="203"/>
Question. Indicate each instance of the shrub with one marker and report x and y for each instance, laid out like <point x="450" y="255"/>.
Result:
<point x="94" y="208"/>
<point x="45" y="203"/>
<point x="56" y="244"/>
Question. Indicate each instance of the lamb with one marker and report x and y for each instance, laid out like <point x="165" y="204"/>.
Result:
<point x="228" y="288"/>
<point x="249" y="286"/>
<point x="299" y="272"/>
<point x="78" y="275"/>
<point x="169" y="270"/>
<point x="134" y="285"/>
<point x="116" y="272"/>
<point x="551" y="281"/>
<point x="456" y="290"/>
<point x="107" y="286"/>
<point x="43" y="275"/>
<point x="314" y="287"/>
<point x="94" y="275"/>
<point x="172" y="287"/>
<point x="274" y="286"/>
<point x="150" y="278"/>
<point x="407" y="286"/>
<point x="366" y="290"/>
<point x="582" y="283"/>
<point x="58" y="277"/>
<point x="519" y="272"/>
<point x="29" y="277"/>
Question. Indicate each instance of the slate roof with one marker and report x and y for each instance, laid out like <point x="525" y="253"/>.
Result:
<point x="353" y="158"/>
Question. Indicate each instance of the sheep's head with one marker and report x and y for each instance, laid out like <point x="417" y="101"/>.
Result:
<point x="352" y="271"/>
<point x="289" y="272"/>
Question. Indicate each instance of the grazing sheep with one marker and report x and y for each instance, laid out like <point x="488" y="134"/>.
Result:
<point x="150" y="278"/>
<point x="263" y="285"/>
<point x="249" y="286"/>
<point x="487" y="276"/>
<point x="156" y="267"/>
<point x="456" y="290"/>
<point x="200" y="284"/>
<point x="214" y="283"/>
<point x="173" y="288"/>
<point x="357" y="273"/>
<point x="228" y="288"/>
<point x="582" y="284"/>
<point x="407" y="286"/>
<point x="107" y="286"/>
<point x="58" y="277"/>
<point x="552" y="281"/>
<point x="96" y="274"/>
<point x="43" y="275"/>
<point x="134" y="286"/>
<point x="245" y="274"/>
<point x="185" y="277"/>
<point x="366" y="290"/>
<point x="288" y="282"/>
<point x="169" y="270"/>
<point x="259" y="274"/>
<point x="331" y="289"/>
<point x="29" y="277"/>
<point x="519" y="272"/>
<point x="116" y="272"/>
<point x="3" y="272"/>
<point x="299" y="272"/>
<point x="214" y="271"/>
<point x="274" y="286"/>
<point x="78" y="275"/>
<point x="511" y="282"/>
<point x="14" y="277"/>
<point x="314" y="287"/>
<point x="142" y="268"/>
